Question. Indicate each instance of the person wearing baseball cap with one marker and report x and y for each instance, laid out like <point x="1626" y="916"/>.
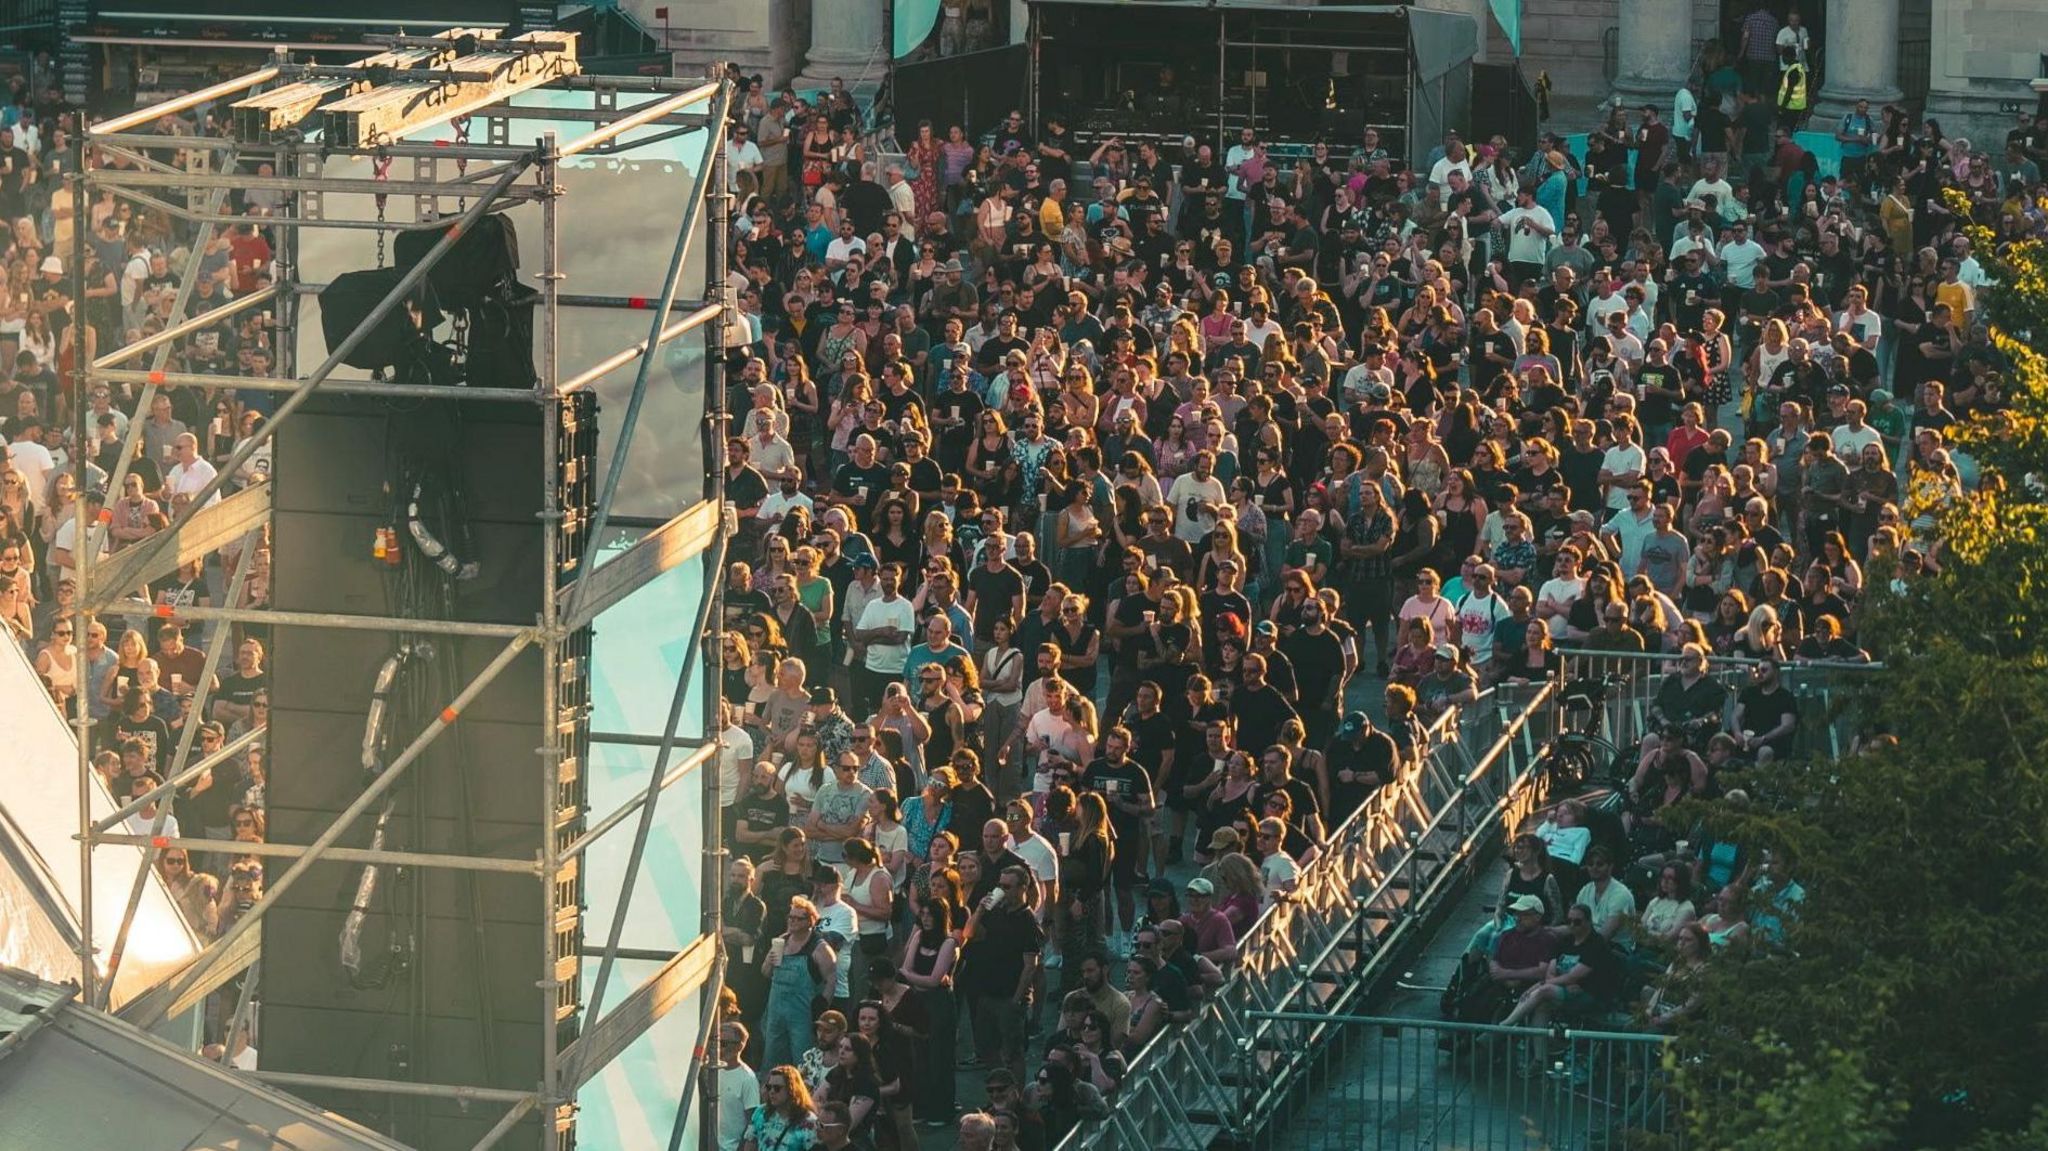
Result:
<point x="1522" y="954"/>
<point x="1208" y="930"/>
<point x="1360" y="760"/>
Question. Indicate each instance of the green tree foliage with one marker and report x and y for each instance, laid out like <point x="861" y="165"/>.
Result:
<point x="1914" y="971"/>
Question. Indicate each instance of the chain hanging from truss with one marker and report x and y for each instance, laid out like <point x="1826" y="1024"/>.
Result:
<point x="380" y="170"/>
<point x="461" y="161"/>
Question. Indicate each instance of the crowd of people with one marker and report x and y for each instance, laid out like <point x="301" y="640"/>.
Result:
<point x="143" y="681"/>
<point x="1112" y="521"/>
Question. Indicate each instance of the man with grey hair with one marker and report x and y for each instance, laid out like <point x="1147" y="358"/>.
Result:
<point x="901" y="195"/>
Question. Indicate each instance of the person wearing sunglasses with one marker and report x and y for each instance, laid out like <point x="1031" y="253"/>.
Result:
<point x="57" y="664"/>
<point x="784" y="1117"/>
<point x="196" y="892"/>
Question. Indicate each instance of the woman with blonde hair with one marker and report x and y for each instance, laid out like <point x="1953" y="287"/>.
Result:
<point x="1762" y="637"/>
<point x="1240" y="890"/>
<point x="1084" y="877"/>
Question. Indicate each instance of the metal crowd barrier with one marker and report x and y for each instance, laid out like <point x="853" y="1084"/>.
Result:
<point x="1828" y="720"/>
<point x="1406" y="854"/>
<point x="1393" y="1084"/>
<point x="1278" y="1057"/>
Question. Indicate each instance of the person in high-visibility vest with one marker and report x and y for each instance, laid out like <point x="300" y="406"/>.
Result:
<point x="1791" y="91"/>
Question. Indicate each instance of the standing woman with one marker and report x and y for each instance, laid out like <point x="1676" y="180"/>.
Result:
<point x="956" y="156"/>
<point x="1077" y="533"/>
<point x="896" y="1066"/>
<point x="57" y="663"/>
<point x="856" y="1081"/>
<point x="1079" y="643"/>
<point x="924" y="155"/>
<point x="818" y="157"/>
<point x="800" y="400"/>
<point x="1274" y="490"/>
<point x="991" y="464"/>
<point x="1084" y="876"/>
<point x="928" y="959"/>
<point x="786" y="1119"/>
<point x="799" y="962"/>
<point x="1002" y="685"/>
<point x="785" y="876"/>
<point x="872" y="897"/>
<point x="1463" y="512"/>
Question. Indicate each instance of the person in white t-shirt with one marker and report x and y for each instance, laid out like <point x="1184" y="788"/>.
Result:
<point x="1196" y="497"/>
<point x="742" y="158"/>
<point x="884" y="632"/>
<point x="189" y="475"/>
<point x="735" y="755"/>
<point x="1623" y="466"/>
<point x="27" y="455"/>
<point x="1555" y="598"/>
<point x="1740" y="257"/>
<point x="1479" y="611"/>
<point x="1853" y="436"/>
<point x="1530" y="232"/>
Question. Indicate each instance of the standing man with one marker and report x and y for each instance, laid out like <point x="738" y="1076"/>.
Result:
<point x="1531" y="230"/>
<point x="1858" y="137"/>
<point x="1759" y="49"/>
<point x="883" y="635"/>
<point x="1685" y="112"/>
<point x="738" y="1088"/>
<point x="1001" y="962"/>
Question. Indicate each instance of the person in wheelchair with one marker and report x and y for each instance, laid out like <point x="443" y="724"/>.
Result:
<point x="1580" y="981"/>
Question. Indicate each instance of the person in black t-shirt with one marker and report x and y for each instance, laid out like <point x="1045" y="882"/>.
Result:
<point x="1583" y="976"/>
<point x="1127" y="786"/>
<point x="745" y="487"/>
<point x="1766" y="715"/>
<point x="1360" y="760"/>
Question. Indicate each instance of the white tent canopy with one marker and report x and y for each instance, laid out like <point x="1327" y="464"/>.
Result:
<point x="41" y="878"/>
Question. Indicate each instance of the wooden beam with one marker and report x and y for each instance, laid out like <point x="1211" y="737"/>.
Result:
<point x="416" y="100"/>
<point x="608" y="1037"/>
<point x="660" y="550"/>
<point x="210" y="530"/>
<point x="287" y="106"/>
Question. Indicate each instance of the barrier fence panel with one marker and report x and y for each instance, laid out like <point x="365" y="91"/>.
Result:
<point x="1824" y="691"/>
<point x="1280" y="1056"/>
<point x="1406" y="854"/>
<point x="1402" y="1084"/>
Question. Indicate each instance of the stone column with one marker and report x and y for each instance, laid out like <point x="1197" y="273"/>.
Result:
<point x="1862" y="58"/>
<point x="849" y="41"/>
<point x="1656" y="51"/>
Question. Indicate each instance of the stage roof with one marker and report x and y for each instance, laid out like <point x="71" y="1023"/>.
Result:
<point x="75" y="1077"/>
<point x="41" y="880"/>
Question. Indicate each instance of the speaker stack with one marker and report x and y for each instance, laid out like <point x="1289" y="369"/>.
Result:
<point x="444" y="987"/>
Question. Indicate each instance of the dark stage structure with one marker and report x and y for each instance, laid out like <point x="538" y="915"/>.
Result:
<point x="1164" y="70"/>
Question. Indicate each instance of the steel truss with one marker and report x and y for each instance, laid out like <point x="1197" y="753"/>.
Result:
<point x="484" y="177"/>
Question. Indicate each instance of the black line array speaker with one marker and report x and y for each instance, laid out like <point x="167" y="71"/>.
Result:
<point x="446" y="988"/>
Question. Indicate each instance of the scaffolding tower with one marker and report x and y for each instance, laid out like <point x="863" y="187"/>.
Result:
<point x="301" y="120"/>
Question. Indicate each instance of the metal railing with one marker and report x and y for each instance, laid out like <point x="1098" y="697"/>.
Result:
<point x="1828" y="719"/>
<point x="1279" y="1056"/>
<point x="1397" y="1084"/>
<point x="1406" y="854"/>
